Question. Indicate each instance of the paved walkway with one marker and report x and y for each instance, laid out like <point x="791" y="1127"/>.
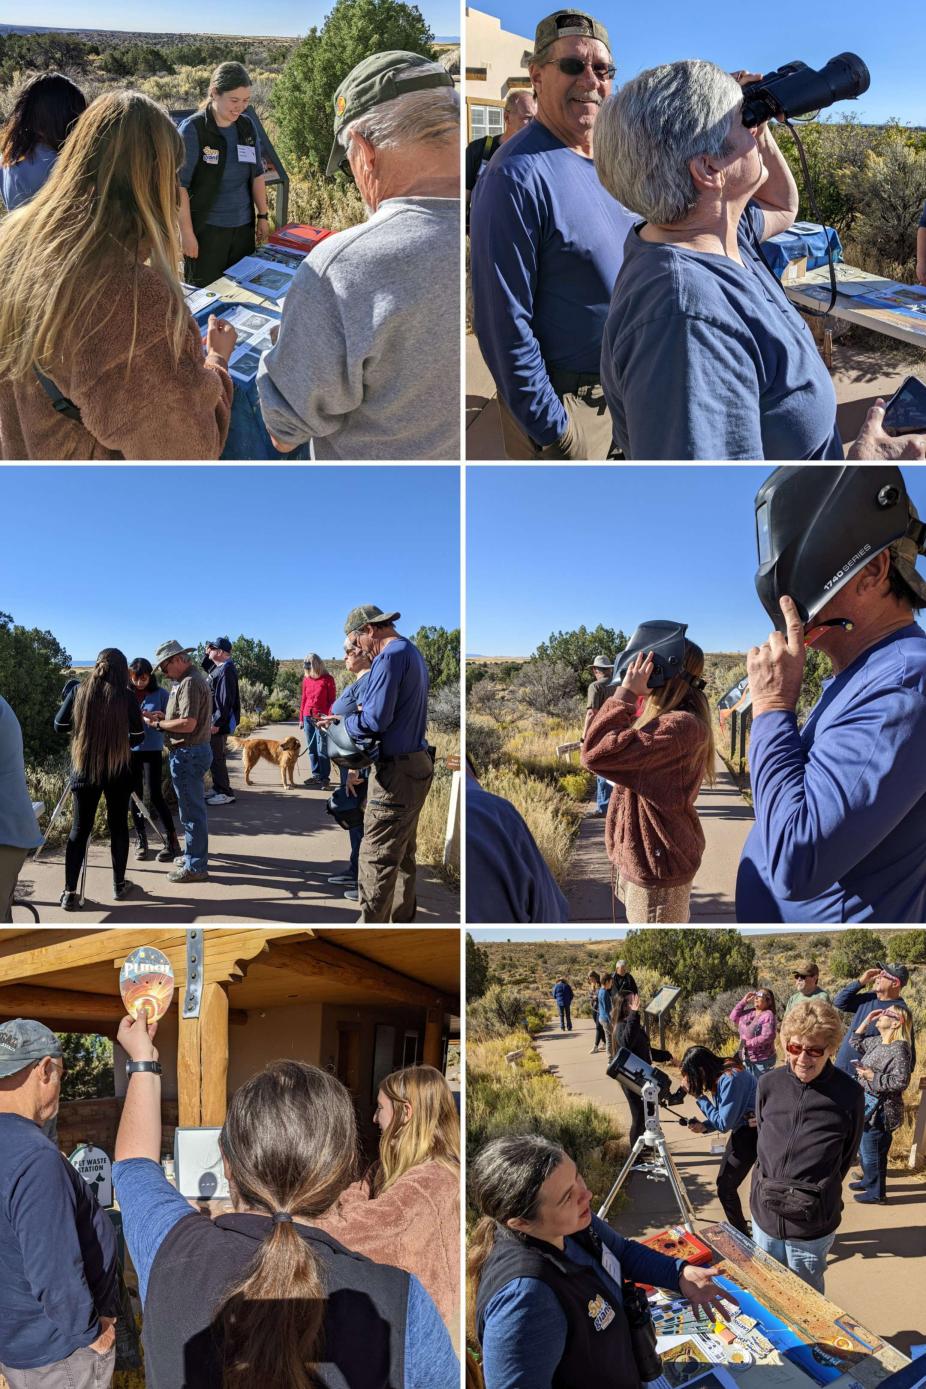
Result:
<point x="860" y="374"/>
<point x="726" y="819"/>
<point x="270" y="854"/>
<point x="877" y="1269"/>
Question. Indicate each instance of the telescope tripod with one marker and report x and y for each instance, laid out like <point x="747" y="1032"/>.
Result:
<point x="134" y="799"/>
<point x="661" y="1164"/>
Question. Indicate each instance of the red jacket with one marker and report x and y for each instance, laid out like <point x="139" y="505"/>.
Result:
<point x="318" y="695"/>
<point x="652" y="832"/>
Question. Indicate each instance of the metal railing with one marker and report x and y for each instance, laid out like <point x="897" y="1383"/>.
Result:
<point x="740" y="724"/>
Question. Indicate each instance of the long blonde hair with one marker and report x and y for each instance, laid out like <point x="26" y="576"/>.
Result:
<point x="100" y="743"/>
<point x="901" y="1031"/>
<point x="678" y="693"/>
<point x="429" y="1133"/>
<point x="113" y="193"/>
<point x="315" y="666"/>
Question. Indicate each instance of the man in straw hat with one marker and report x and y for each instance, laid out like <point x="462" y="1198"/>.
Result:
<point x="840" y="803"/>
<point x="393" y="712"/>
<point x="546" y="243"/>
<point x="367" y="364"/>
<point x="187" y="727"/>
<point x="59" y="1294"/>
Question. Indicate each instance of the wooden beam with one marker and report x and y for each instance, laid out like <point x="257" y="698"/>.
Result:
<point x="319" y="959"/>
<point x="189" y="1075"/>
<point x="213" y="1051"/>
<point x="32" y="1001"/>
<point x="432" y="1050"/>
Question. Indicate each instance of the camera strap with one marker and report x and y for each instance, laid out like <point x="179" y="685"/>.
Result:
<point x="59" y="402"/>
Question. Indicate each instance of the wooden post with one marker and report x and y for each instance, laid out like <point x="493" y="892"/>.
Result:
<point x="918" y="1147"/>
<point x="452" y="834"/>
<point x="433" y="1051"/>
<point x="202" y="1062"/>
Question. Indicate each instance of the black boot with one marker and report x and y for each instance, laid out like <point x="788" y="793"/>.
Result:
<point x="70" y="901"/>
<point x="171" y="850"/>
<point x="141" y="847"/>
<point x="122" y="890"/>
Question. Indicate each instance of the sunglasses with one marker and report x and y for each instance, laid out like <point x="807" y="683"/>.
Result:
<point x="795" y="1049"/>
<point x="574" y="67"/>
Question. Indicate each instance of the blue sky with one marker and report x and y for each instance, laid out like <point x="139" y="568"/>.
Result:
<point x="134" y="556"/>
<point x="286" y="17"/>
<point x="889" y="38"/>
<point x="550" y="549"/>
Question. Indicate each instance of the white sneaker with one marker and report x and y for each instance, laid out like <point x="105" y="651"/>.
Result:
<point x="219" y="799"/>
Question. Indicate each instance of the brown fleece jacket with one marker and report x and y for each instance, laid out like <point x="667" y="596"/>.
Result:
<point x="156" y="410"/>
<point x="414" y="1224"/>
<point x="652" y="832"/>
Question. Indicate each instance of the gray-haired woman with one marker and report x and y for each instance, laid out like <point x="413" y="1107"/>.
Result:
<point x="703" y="355"/>
<point x="222" y="180"/>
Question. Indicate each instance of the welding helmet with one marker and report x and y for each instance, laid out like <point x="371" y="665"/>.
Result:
<point x="666" y="640"/>
<point x="342" y="750"/>
<point x="816" y="527"/>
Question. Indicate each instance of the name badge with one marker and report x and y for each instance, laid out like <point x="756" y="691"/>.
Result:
<point x="611" y="1265"/>
<point x="247" y="154"/>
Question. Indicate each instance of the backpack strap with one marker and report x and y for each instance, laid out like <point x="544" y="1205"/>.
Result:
<point x="59" y="402"/>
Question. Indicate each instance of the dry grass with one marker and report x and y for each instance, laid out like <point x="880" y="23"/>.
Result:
<point x="550" y="816"/>
<point x="432" y="826"/>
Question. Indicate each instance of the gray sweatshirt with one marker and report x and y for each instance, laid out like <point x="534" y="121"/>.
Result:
<point x="367" y="363"/>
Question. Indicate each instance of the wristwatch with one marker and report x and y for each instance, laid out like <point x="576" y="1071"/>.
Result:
<point x="132" y="1066"/>
<point x="263" y="216"/>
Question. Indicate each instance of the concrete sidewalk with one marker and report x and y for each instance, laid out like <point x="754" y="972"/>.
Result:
<point x="270" y="854"/>
<point x="877" y="1268"/>
<point x="726" y="819"/>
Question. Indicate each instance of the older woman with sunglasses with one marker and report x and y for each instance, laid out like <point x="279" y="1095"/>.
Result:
<point x="809" y="1116"/>
<point x="884" y="1071"/>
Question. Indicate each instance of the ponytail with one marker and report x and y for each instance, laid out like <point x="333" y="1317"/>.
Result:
<point x="480" y="1245"/>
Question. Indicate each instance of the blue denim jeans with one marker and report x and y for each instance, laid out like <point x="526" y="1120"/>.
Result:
<point x="603" y="791"/>
<point x="188" y="768"/>
<point x="317" y="744"/>
<point x="248" y="437"/>
<point x="873" y="1151"/>
<point x="805" y="1257"/>
<point x="758" y="1068"/>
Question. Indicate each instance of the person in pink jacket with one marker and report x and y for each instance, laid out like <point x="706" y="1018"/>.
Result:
<point x="754" y="1018"/>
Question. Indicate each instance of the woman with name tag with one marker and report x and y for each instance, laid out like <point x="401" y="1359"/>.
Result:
<point x="222" y="180"/>
<point x="549" y="1279"/>
<point x="99" y="356"/>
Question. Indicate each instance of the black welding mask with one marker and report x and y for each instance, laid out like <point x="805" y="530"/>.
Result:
<point x="816" y="527"/>
<point x="666" y="640"/>
<point x="342" y="750"/>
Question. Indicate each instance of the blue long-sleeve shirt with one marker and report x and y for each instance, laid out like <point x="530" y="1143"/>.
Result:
<point x="153" y="699"/>
<point x="57" y="1252"/>
<point x="604" y="1005"/>
<point x="151" y="1208"/>
<point x="563" y="994"/>
<point x="852" y="999"/>
<point x="735" y="1097"/>
<point x="546" y="243"/>
<point x="840" y="804"/>
<point x="525" y="1326"/>
<point x="508" y="879"/>
<point x="395" y="701"/>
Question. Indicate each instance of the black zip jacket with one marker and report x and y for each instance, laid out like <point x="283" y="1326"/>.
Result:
<point x="808" y="1137"/>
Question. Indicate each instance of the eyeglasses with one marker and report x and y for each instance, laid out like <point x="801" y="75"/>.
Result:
<point x="574" y="67"/>
<point x="795" y="1049"/>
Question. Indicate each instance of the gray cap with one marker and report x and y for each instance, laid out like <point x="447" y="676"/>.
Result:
<point x="379" y="78"/>
<point x="562" y="23"/>
<point x="22" y="1042"/>
<point x="602" y="663"/>
<point x="168" y="649"/>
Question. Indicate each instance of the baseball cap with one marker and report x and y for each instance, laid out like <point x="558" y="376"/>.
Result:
<point x="23" y="1042"/>
<point x="806" y="967"/>
<point x="381" y="77"/>
<point x="904" y="554"/>
<point x="367" y="612"/>
<point x="898" y="972"/>
<point x="220" y="644"/>
<point x="563" y="23"/>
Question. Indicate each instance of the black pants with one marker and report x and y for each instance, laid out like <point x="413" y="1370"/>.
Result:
<point x="147" y="769"/>
<point x="219" y="768"/>
<point x="565" y="1016"/>
<point x="86" y="800"/>
<point x="637" y="1115"/>
<point x="737" y="1162"/>
<point x="219" y="247"/>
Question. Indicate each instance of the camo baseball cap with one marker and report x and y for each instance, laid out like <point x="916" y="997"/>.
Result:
<point x="367" y="612"/>
<point x="904" y="553"/>
<point x="380" y="78"/>
<point x="562" y="24"/>
<point x="23" y="1042"/>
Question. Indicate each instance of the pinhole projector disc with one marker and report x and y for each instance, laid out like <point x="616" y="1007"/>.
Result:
<point x="146" y="982"/>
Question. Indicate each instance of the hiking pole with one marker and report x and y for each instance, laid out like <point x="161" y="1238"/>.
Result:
<point x="142" y="809"/>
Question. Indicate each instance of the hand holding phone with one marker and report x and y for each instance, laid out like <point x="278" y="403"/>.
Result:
<point x="905" y="412"/>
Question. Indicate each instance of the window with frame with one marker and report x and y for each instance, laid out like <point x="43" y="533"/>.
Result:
<point x="486" y="120"/>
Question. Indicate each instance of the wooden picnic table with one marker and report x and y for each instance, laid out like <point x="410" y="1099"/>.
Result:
<point x="849" y="310"/>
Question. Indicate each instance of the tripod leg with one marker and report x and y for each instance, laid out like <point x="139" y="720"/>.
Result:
<point x="83" y="871"/>
<point x="145" y="812"/>
<point x="678" y="1188"/>
<point x="621" y="1177"/>
<point x="54" y="815"/>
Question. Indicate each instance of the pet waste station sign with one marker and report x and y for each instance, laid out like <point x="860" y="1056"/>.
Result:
<point x="96" y="1169"/>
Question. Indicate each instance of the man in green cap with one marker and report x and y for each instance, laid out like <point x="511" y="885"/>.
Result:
<point x="367" y="363"/>
<point x="394" y="713"/>
<point x="546" y="244"/>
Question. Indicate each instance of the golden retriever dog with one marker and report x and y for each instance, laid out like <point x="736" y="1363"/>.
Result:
<point x="283" y="754"/>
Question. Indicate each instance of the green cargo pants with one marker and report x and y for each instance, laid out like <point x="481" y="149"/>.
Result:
<point x="398" y="788"/>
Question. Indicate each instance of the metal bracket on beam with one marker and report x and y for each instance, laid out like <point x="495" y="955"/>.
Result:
<point x="195" y="945"/>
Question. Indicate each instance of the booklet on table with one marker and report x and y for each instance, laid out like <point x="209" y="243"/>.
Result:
<point x="254" y="324"/>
